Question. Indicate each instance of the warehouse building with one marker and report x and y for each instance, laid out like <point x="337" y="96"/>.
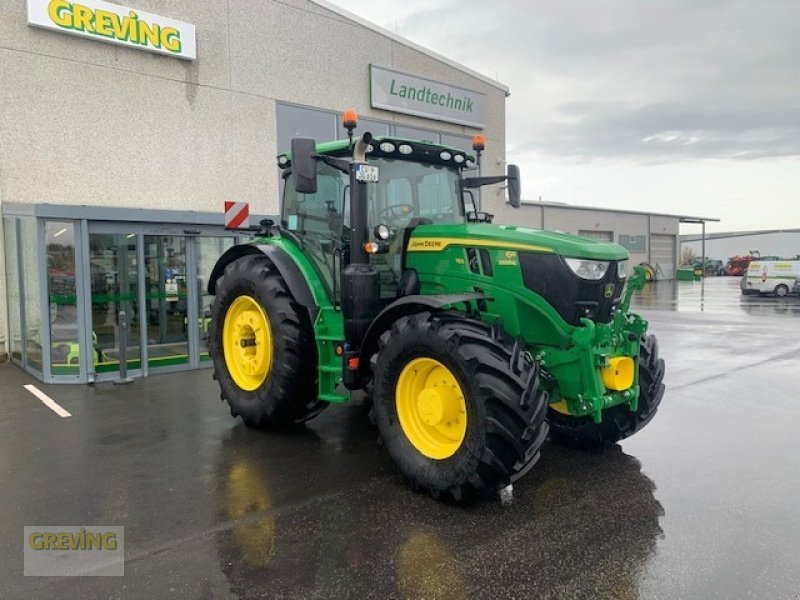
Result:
<point x="123" y="129"/>
<point x="650" y="238"/>
<point x="784" y="243"/>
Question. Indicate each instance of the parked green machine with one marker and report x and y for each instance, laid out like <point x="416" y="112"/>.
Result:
<point x="471" y="338"/>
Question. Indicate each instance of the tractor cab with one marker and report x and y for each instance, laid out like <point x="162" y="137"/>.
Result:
<point x="412" y="183"/>
<point x="417" y="183"/>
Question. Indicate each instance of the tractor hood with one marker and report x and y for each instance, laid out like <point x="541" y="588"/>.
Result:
<point x="437" y="237"/>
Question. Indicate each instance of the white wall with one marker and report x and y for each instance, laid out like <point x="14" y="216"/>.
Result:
<point x="83" y="122"/>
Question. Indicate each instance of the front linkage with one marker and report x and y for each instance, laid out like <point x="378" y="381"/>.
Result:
<point x="600" y="369"/>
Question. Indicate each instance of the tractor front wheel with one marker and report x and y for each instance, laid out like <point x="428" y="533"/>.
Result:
<point x="262" y="345"/>
<point x="619" y="422"/>
<point x="458" y="404"/>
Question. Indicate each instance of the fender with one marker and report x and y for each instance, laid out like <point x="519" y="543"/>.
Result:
<point x="406" y="305"/>
<point x="283" y="262"/>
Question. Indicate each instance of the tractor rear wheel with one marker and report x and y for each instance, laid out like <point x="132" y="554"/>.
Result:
<point x="262" y="344"/>
<point x="458" y="404"/>
<point x="619" y="422"/>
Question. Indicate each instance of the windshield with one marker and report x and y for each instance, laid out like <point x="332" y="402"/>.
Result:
<point x="409" y="190"/>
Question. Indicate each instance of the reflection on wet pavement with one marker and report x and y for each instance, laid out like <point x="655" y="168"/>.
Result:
<point x="714" y="294"/>
<point x="379" y="541"/>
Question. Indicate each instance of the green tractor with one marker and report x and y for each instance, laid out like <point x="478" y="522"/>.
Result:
<point x="471" y="338"/>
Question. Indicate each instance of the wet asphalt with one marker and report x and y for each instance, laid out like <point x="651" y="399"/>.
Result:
<point x="703" y="503"/>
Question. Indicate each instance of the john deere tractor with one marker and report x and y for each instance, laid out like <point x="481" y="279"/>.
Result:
<point x="470" y="337"/>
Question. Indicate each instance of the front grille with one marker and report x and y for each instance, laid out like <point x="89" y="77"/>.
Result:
<point x="572" y="296"/>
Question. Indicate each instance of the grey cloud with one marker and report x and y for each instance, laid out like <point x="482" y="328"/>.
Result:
<point x="643" y="81"/>
<point x="664" y="132"/>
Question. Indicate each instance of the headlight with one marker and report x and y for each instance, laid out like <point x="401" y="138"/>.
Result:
<point x="588" y="269"/>
<point x="387" y="147"/>
<point x="405" y="149"/>
<point x="382" y="232"/>
<point x="622" y="269"/>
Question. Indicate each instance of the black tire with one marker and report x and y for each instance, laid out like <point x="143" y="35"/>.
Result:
<point x="781" y="291"/>
<point x="618" y="422"/>
<point x="288" y="395"/>
<point x="505" y="404"/>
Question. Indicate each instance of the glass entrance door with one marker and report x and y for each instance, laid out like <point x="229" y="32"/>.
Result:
<point x="167" y="300"/>
<point x="114" y="287"/>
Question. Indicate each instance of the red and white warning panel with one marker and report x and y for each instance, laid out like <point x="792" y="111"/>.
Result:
<point x="237" y="215"/>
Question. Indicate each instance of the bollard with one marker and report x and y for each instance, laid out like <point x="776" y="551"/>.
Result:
<point x="122" y="324"/>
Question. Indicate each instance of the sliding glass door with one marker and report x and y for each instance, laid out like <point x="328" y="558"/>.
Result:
<point x="159" y="278"/>
<point x="114" y="276"/>
<point x="166" y="300"/>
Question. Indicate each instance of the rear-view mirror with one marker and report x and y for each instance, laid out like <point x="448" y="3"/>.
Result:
<point x="514" y="186"/>
<point x="304" y="165"/>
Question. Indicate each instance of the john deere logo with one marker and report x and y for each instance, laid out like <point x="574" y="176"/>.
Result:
<point x="609" y="291"/>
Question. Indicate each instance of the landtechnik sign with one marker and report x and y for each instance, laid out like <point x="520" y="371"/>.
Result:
<point x="116" y="24"/>
<point x="413" y="95"/>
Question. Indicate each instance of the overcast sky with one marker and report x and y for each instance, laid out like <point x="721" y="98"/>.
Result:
<point x="684" y="106"/>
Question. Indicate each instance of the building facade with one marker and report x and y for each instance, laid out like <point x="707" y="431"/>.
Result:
<point x="784" y="243"/>
<point x="650" y="238"/>
<point x="123" y="129"/>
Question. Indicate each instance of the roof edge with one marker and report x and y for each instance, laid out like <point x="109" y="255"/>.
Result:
<point x="150" y="216"/>
<point x="682" y="218"/>
<point x="406" y="42"/>
<point x="723" y="235"/>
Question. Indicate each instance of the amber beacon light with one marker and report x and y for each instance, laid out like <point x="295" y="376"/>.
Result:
<point x="350" y="118"/>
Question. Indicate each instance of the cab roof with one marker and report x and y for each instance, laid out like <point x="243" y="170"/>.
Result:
<point x="421" y="151"/>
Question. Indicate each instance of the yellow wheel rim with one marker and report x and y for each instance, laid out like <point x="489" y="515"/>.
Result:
<point x="431" y="408"/>
<point x="247" y="343"/>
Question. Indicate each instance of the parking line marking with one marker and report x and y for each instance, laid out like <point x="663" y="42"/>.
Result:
<point x="48" y="401"/>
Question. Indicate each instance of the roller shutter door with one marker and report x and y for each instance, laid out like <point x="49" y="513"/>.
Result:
<point x="662" y="255"/>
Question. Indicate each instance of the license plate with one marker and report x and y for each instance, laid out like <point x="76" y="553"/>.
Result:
<point x="367" y="173"/>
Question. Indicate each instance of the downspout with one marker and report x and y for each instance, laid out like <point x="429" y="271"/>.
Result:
<point x="6" y="347"/>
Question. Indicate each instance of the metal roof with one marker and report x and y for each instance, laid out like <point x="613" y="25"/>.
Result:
<point x="735" y="234"/>
<point x="681" y="218"/>
<point x="406" y="42"/>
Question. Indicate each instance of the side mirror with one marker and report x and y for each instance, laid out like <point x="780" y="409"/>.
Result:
<point x="514" y="186"/>
<point x="304" y="165"/>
